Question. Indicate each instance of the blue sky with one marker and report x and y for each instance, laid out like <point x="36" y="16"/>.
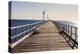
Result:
<point x="32" y="10"/>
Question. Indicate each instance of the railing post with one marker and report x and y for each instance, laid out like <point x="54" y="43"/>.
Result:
<point x="68" y="29"/>
<point x="71" y="31"/>
<point x="75" y="33"/>
<point x="17" y="32"/>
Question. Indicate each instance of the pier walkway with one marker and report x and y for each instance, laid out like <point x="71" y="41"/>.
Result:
<point x="45" y="39"/>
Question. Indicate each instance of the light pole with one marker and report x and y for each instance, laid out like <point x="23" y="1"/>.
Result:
<point x="44" y="14"/>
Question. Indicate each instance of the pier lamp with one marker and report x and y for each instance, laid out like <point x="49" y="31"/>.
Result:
<point x="43" y="14"/>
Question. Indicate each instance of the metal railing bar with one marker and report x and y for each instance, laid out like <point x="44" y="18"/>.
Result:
<point x="22" y="33"/>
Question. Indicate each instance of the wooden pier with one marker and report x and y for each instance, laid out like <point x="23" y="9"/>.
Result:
<point x="47" y="38"/>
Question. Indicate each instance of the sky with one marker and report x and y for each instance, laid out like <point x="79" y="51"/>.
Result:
<point x="33" y="10"/>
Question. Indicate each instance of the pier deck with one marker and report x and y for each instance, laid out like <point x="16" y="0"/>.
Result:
<point x="45" y="39"/>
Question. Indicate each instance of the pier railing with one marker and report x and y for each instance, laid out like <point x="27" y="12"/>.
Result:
<point x="18" y="32"/>
<point x="69" y="33"/>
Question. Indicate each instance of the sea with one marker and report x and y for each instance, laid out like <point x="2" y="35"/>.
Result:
<point x="19" y="22"/>
<point x="75" y="24"/>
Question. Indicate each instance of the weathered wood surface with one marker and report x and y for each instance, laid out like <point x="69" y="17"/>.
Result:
<point x="45" y="39"/>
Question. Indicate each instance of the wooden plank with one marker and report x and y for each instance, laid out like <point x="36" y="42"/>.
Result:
<point x="45" y="39"/>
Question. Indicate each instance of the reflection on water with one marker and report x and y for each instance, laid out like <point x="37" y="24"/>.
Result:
<point x="75" y="24"/>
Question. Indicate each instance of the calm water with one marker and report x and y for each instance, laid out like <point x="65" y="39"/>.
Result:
<point x="69" y="23"/>
<point x="17" y="22"/>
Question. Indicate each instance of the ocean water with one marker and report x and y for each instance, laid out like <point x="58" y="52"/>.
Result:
<point x="69" y="23"/>
<point x="17" y="22"/>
